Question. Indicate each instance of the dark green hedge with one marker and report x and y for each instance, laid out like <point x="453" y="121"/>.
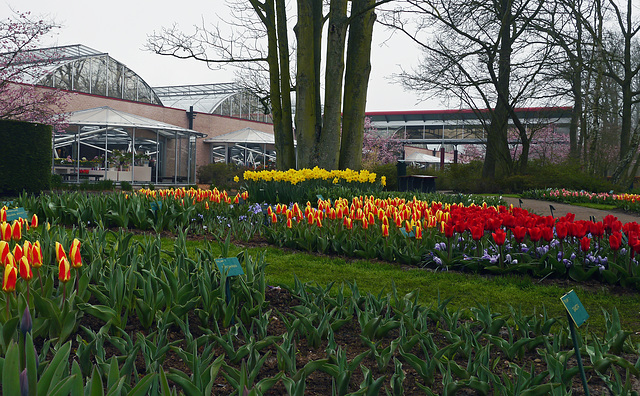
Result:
<point x="25" y="157"/>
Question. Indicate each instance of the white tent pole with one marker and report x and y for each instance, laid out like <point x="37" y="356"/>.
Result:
<point x="133" y="155"/>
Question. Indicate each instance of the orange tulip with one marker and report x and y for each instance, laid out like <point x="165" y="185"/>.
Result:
<point x="74" y="254"/>
<point x="25" y="269"/>
<point x="9" y="279"/>
<point x="60" y="253"/>
<point x="64" y="270"/>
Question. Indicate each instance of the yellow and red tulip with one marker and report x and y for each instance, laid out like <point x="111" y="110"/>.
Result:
<point x="5" y="231"/>
<point x="16" y="232"/>
<point x="18" y="252"/>
<point x="74" y="254"/>
<point x="64" y="270"/>
<point x="25" y="269"/>
<point x="4" y="251"/>
<point x="34" y="221"/>
<point x="60" y="253"/>
<point x="9" y="279"/>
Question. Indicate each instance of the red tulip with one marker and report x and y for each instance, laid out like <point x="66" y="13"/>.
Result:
<point x="18" y="252"/>
<point x="535" y="233"/>
<point x="615" y="240"/>
<point x="34" y="221"/>
<point x="499" y="236"/>
<point x="289" y="222"/>
<point x="274" y="218"/>
<point x="36" y="255"/>
<point x="585" y="243"/>
<point x="519" y="233"/>
<point x="562" y="228"/>
<point x="448" y="230"/>
<point x="477" y="232"/>
<point x="547" y="233"/>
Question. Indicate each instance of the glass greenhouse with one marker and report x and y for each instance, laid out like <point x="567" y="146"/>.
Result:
<point x="83" y="69"/>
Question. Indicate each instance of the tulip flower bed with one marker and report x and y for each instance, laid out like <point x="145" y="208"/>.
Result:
<point x="472" y="238"/>
<point x="118" y="315"/>
<point x="627" y="202"/>
<point x="305" y="184"/>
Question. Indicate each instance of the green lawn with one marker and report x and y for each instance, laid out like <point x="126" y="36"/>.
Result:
<point x="466" y="290"/>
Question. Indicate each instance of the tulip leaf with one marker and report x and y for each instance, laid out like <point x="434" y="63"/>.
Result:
<point x="9" y="329"/>
<point x="11" y="371"/>
<point x="143" y="386"/>
<point x="58" y="363"/>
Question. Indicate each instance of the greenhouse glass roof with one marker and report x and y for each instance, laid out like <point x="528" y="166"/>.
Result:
<point x="83" y="69"/>
<point x="226" y="99"/>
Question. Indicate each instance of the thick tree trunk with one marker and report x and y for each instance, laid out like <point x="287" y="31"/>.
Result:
<point x="308" y="117"/>
<point x="280" y="85"/>
<point x="498" y="157"/>
<point x="356" y="83"/>
<point x="329" y="155"/>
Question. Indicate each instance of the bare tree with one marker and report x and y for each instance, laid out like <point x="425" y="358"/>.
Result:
<point x="485" y="56"/>
<point x="321" y="140"/>
<point x="21" y="66"/>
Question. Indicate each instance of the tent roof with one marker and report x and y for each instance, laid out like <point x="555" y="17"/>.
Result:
<point x="106" y="116"/>
<point x="245" y="135"/>
<point x="417" y="156"/>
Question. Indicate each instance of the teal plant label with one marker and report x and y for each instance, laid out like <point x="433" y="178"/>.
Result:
<point x="407" y="234"/>
<point x="575" y="308"/>
<point x="156" y="205"/>
<point x="231" y="266"/>
<point x="15" y="214"/>
<point x="319" y="196"/>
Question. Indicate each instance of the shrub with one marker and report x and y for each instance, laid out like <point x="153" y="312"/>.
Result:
<point x="219" y="175"/>
<point x="25" y="157"/>
<point x="104" y="185"/>
<point x="126" y="186"/>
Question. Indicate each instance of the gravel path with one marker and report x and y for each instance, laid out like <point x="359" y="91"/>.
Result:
<point x="582" y="213"/>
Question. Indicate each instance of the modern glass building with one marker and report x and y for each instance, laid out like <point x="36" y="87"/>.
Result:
<point x="83" y="69"/>
<point x="225" y="99"/>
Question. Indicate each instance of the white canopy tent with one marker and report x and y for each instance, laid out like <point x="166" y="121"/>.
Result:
<point x="98" y="128"/>
<point x="246" y="146"/>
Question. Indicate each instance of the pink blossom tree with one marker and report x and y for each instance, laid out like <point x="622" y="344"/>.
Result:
<point x="20" y="68"/>
<point x="378" y="149"/>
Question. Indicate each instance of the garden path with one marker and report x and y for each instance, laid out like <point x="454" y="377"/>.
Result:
<point x="582" y="213"/>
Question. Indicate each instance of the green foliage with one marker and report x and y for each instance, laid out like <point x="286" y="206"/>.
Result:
<point x="219" y="175"/>
<point x="468" y="178"/>
<point x="390" y="171"/>
<point x="25" y="157"/>
<point x="126" y="186"/>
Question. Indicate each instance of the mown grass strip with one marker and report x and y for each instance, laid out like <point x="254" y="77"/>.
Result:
<point x="466" y="290"/>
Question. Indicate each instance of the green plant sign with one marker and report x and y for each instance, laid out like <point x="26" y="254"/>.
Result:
<point x="575" y="308"/>
<point x="229" y="266"/>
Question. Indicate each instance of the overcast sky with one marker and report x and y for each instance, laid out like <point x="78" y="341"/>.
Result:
<point x="120" y="28"/>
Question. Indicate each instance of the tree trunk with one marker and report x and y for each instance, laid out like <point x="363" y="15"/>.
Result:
<point x="280" y="85"/>
<point x="356" y="83"/>
<point x="497" y="157"/>
<point x="330" y="140"/>
<point x="308" y="117"/>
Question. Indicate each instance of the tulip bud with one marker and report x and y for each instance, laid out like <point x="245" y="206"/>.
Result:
<point x="26" y="324"/>
<point x="24" y="383"/>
